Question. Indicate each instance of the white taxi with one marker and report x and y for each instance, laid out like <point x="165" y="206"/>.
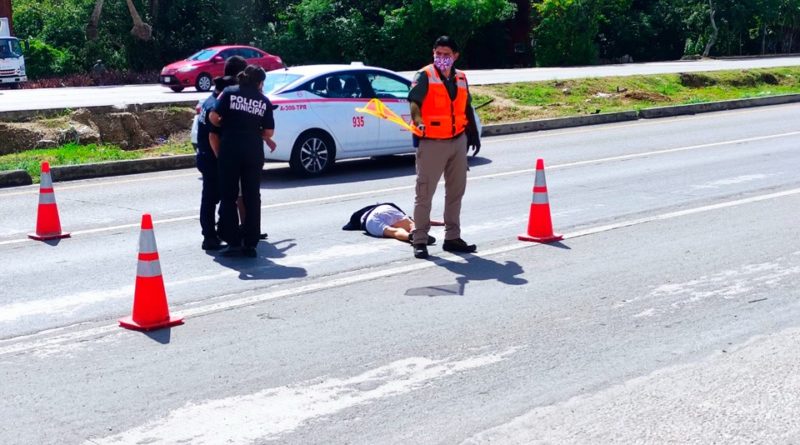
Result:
<point x="315" y="119"/>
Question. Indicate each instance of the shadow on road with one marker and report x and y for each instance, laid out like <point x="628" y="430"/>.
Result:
<point x="356" y="170"/>
<point x="161" y="336"/>
<point x="559" y="244"/>
<point x="475" y="269"/>
<point x="261" y="267"/>
<point x="52" y="242"/>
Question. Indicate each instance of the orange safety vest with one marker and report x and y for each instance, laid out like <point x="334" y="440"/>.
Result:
<point x="444" y="118"/>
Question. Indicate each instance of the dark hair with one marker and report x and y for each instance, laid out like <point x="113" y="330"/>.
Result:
<point x="446" y="41"/>
<point x="234" y="65"/>
<point x="251" y="76"/>
<point x="220" y="83"/>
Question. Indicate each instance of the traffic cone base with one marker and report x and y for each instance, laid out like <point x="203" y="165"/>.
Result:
<point x="128" y="322"/>
<point x="39" y="237"/>
<point x="536" y="239"/>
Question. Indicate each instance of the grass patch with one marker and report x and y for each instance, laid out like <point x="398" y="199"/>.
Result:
<point x="74" y="154"/>
<point x="575" y="97"/>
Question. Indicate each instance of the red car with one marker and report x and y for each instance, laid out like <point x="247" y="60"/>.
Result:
<point x="199" y="69"/>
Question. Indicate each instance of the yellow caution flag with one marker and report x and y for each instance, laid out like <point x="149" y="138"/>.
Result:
<point x="376" y="108"/>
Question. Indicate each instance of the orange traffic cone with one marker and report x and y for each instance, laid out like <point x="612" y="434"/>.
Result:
<point x="540" y="227"/>
<point x="150" y="309"/>
<point x="48" y="225"/>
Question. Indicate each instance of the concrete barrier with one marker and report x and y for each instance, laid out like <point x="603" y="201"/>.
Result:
<point x="679" y="110"/>
<point x="128" y="167"/>
<point x="560" y="122"/>
<point x="14" y="178"/>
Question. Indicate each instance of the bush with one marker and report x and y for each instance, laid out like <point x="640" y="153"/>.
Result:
<point x="43" y="60"/>
<point x="566" y="32"/>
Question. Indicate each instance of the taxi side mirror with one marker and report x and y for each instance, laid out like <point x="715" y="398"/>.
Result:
<point x="27" y="45"/>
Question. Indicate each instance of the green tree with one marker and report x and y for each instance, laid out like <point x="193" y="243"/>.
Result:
<point x="566" y="32"/>
<point x="409" y="30"/>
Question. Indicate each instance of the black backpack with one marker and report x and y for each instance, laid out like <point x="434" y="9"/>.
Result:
<point x="357" y="216"/>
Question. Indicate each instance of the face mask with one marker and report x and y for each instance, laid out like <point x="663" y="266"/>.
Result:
<point x="443" y="62"/>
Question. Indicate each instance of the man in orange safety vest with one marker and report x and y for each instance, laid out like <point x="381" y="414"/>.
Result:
<point x="441" y="109"/>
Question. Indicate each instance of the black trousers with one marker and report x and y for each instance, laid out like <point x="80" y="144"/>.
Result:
<point x="207" y="164"/>
<point x="241" y="160"/>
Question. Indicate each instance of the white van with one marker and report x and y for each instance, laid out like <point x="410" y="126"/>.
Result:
<point x="12" y="62"/>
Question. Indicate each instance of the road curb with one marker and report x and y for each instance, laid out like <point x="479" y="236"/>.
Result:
<point x="127" y="167"/>
<point x="679" y="110"/>
<point x="647" y="113"/>
<point x="72" y="172"/>
<point x="14" y="178"/>
<point x="560" y="122"/>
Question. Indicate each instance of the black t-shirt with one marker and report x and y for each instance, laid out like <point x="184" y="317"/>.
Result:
<point x="244" y="110"/>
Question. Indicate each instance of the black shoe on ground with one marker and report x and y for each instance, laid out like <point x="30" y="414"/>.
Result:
<point x="212" y="244"/>
<point x="420" y="251"/>
<point x="431" y="240"/>
<point x="249" y="252"/>
<point x="458" y="245"/>
<point x="232" y="251"/>
<point x="263" y="236"/>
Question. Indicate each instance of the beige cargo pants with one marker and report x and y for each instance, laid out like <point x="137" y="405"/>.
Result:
<point x="434" y="158"/>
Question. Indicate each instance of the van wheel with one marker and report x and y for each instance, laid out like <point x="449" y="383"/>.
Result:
<point x="313" y="154"/>
<point x="203" y="82"/>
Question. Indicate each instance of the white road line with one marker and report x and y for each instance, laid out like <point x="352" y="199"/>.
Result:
<point x="270" y="413"/>
<point x="66" y="305"/>
<point x="46" y="340"/>
<point x="336" y="198"/>
<point x="645" y="154"/>
<point x="639" y="123"/>
<point x="33" y="189"/>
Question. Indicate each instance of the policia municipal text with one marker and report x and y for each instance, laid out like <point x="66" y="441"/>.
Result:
<point x="245" y="115"/>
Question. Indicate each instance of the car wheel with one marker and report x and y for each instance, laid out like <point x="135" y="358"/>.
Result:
<point x="313" y="154"/>
<point x="203" y="82"/>
<point x="176" y="89"/>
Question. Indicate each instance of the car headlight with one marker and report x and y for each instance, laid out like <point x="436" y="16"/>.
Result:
<point x="186" y="69"/>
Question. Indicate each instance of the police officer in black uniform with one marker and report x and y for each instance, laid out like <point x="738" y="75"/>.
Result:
<point x="207" y="157"/>
<point x="246" y="117"/>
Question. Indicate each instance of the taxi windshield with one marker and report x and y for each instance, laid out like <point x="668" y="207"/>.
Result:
<point x="278" y="79"/>
<point x="10" y="48"/>
<point x="202" y="55"/>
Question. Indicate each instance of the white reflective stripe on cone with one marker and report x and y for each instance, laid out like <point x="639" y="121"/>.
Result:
<point x="47" y="198"/>
<point x="148" y="269"/>
<point x="147" y="241"/>
<point x="45" y="182"/>
<point x="539" y="182"/>
<point x="540" y="198"/>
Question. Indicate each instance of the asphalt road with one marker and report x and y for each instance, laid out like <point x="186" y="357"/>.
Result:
<point x="667" y="315"/>
<point x="46" y="98"/>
